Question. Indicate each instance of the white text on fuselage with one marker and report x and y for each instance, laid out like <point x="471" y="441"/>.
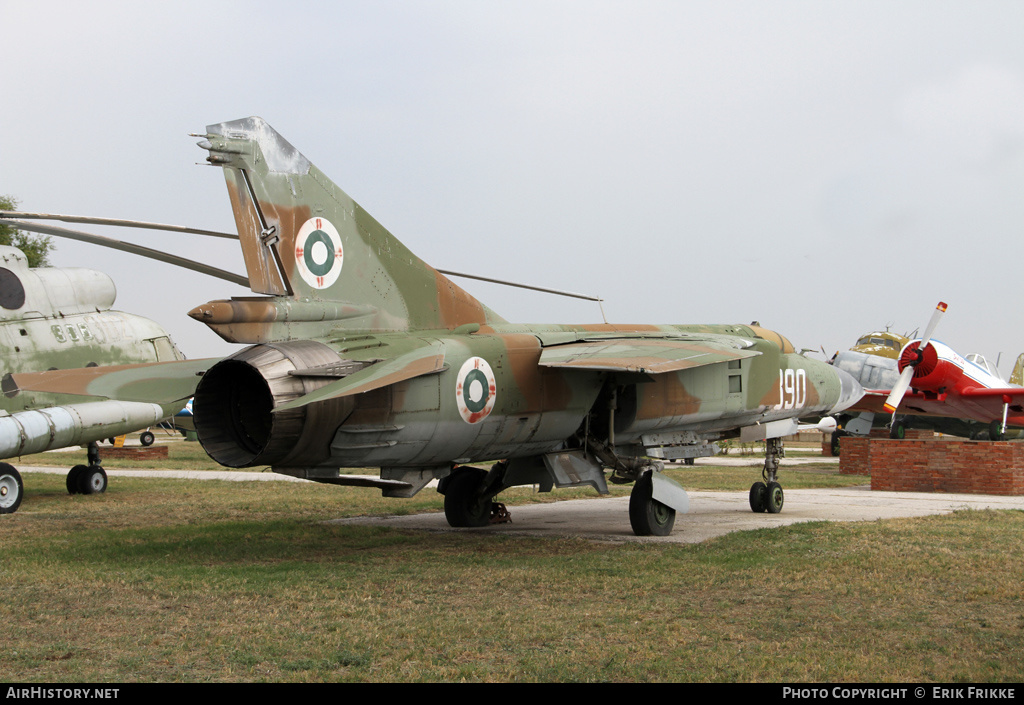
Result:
<point x="792" y="389"/>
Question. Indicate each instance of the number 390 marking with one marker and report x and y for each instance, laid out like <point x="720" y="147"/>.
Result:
<point x="792" y="389"/>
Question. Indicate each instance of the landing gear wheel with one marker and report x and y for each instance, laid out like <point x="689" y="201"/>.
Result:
<point x="463" y="504"/>
<point x="898" y="431"/>
<point x="834" y="443"/>
<point x="146" y="438"/>
<point x="687" y="461"/>
<point x="11" y="489"/>
<point x="773" y="498"/>
<point x="995" y="431"/>
<point x="758" y="497"/>
<point x="73" y="478"/>
<point x="648" y="516"/>
<point x="93" y="480"/>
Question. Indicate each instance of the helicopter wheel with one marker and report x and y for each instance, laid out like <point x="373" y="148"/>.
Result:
<point x="92" y="480"/>
<point x="11" y="489"/>
<point x="72" y="479"/>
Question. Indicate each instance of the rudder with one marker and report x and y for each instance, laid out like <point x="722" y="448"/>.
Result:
<point x="304" y="238"/>
<point x="1017" y="376"/>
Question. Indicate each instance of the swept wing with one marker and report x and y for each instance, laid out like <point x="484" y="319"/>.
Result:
<point x="644" y="355"/>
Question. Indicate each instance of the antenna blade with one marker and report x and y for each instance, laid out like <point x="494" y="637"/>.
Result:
<point x="570" y="294"/>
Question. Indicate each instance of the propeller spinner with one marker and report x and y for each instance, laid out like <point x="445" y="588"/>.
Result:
<point x="896" y="395"/>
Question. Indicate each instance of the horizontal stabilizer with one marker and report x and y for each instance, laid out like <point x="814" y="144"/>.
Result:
<point x="644" y="355"/>
<point x="156" y="382"/>
<point x="424" y="360"/>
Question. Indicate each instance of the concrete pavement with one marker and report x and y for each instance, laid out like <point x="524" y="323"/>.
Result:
<point x="711" y="514"/>
<point x="607" y="518"/>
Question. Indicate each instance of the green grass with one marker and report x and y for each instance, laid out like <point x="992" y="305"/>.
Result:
<point x="174" y="580"/>
<point x="190" y="456"/>
<point x="182" y="455"/>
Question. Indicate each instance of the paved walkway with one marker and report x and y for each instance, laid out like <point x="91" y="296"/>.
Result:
<point x="230" y="475"/>
<point x="607" y="518"/>
<point x="711" y="514"/>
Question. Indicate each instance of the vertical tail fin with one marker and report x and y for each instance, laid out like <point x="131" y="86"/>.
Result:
<point x="1017" y="376"/>
<point x="303" y="238"/>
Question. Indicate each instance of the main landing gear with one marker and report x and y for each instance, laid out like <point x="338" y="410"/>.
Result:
<point x="88" y="479"/>
<point x="767" y="496"/>
<point x="11" y="489"/>
<point x="82" y="479"/>
<point x="648" y="516"/>
<point x="468" y="494"/>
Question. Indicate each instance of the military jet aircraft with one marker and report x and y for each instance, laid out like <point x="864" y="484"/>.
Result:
<point x="58" y="318"/>
<point x="359" y="354"/>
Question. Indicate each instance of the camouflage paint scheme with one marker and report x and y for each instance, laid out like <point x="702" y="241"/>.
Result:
<point x="359" y="354"/>
<point x="60" y="318"/>
<point x="363" y="355"/>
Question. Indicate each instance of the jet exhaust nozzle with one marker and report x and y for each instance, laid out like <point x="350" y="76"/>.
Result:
<point x="234" y="403"/>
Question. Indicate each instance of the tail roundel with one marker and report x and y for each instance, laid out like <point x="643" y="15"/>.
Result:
<point x="306" y="243"/>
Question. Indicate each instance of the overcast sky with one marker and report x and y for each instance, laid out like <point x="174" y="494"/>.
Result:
<point x="825" y="168"/>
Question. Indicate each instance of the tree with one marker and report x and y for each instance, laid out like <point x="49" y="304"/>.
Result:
<point x="37" y="248"/>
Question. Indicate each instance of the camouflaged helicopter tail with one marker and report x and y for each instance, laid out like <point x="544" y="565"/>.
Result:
<point x="317" y="251"/>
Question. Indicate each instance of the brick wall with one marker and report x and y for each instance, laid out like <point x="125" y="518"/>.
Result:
<point x="826" y="441"/>
<point x="971" y="467"/>
<point x="135" y="452"/>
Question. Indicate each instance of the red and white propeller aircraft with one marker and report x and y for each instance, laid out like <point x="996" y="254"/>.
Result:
<point x="942" y="383"/>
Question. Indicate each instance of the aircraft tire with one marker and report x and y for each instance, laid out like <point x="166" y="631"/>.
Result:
<point x="834" y="442"/>
<point x="648" y="516"/>
<point x="758" y="497"/>
<point x="898" y="431"/>
<point x="11" y="489"/>
<point x="146" y="438"/>
<point x="72" y="479"/>
<point x="773" y="498"/>
<point x="92" y="480"/>
<point x="463" y="506"/>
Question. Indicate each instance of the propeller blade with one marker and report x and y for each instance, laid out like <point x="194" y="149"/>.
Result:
<point x="939" y="310"/>
<point x="896" y="395"/>
<point x="892" y="402"/>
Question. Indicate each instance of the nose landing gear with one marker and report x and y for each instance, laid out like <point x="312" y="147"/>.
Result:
<point x="767" y="496"/>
